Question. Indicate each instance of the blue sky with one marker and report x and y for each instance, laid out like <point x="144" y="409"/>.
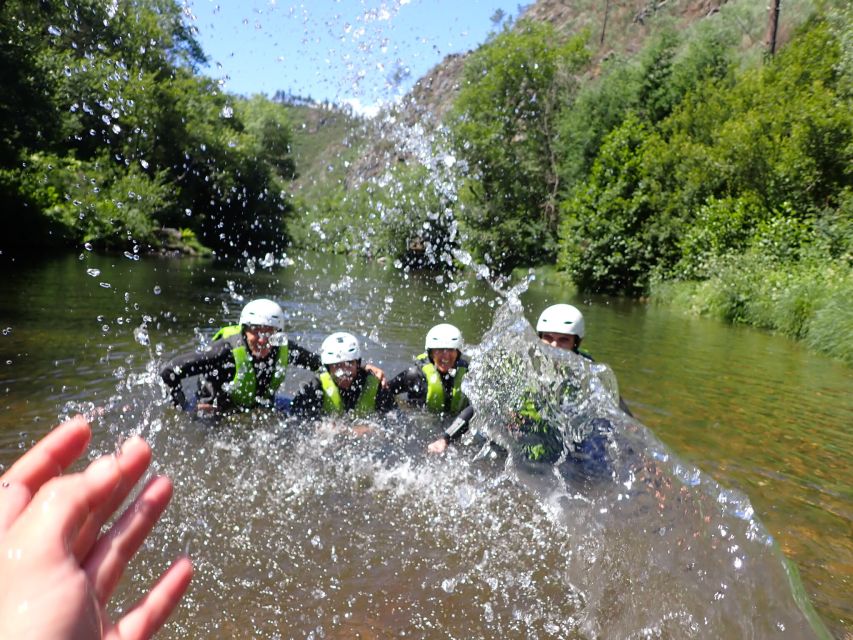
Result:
<point x="344" y="51"/>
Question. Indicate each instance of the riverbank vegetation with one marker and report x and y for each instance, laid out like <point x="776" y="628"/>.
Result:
<point x="690" y="166"/>
<point x="110" y="135"/>
<point x="689" y="172"/>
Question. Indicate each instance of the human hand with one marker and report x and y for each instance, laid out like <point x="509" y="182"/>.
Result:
<point x="205" y="409"/>
<point x="57" y="571"/>
<point x="439" y="446"/>
<point x="378" y="373"/>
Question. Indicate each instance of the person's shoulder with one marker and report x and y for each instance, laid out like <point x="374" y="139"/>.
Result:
<point x="292" y="346"/>
<point x="462" y="363"/>
<point x="585" y="354"/>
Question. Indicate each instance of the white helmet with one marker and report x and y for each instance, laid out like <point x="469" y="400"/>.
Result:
<point x="443" y="336"/>
<point x="263" y="313"/>
<point x="339" y="347"/>
<point x="561" y="318"/>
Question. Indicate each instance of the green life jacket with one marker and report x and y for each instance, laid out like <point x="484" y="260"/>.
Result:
<point x="244" y="386"/>
<point x="333" y="403"/>
<point x="435" y="389"/>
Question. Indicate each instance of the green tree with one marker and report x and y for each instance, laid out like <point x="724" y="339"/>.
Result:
<point x="504" y="125"/>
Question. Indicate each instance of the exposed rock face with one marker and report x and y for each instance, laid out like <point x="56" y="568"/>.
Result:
<point x="614" y="26"/>
<point x="433" y="95"/>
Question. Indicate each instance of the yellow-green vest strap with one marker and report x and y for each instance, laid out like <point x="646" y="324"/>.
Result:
<point x="435" y="388"/>
<point x="244" y="386"/>
<point x="280" y="370"/>
<point x="333" y="403"/>
<point x="227" y="332"/>
<point x="367" y="400"/>
<point x="458" y="401"/>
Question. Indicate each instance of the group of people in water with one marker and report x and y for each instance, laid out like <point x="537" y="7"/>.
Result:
<point x="246" y="364"/>
<point x="60" y="563"/>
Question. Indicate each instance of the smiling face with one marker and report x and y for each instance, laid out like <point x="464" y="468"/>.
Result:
<point x="258" y="340"/>
<point x="344" y="373"/>
<point x="444" y="359"/>
<point x="565" y="341"/>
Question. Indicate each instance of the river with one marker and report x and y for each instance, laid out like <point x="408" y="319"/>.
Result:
<point x="300" y="531"/>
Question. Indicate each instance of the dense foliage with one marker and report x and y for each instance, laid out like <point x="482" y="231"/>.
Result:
<point x="758" y="162"/>
<point x="109" y="133"/>
<point x="504" y="125"/>
<point x="688" y="162"/>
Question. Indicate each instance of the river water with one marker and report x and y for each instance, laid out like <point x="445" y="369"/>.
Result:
<point x="304" y="530"/>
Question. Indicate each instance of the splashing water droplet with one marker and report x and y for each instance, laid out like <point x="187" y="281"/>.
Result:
<point x="140" y="334"/>
<point x="227" y="112"/>
<point x="54" y="31"/>
<point x="157" y="290"/>
<point x="93" y="272"/>
<point x="144" y="164"/>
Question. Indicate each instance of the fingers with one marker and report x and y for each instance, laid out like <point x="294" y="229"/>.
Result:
<point x="132" y="461"/>
<point x="14" y="498"/>
<point x="63" y="504"/>
<point x="439" y="446"/>
<point x="51" y="455"/>
<point x="113" y="551"/>
<point x="150" y="613"/>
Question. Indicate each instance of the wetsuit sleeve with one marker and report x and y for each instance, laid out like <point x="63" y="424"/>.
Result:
<point x="309" y="401"/>
<point x="460" y="424"/>
<point x="385" y="399"/>
<point x="411" y="381"/>
<point x="214" y="359"/>
<point x="302" y="357"/>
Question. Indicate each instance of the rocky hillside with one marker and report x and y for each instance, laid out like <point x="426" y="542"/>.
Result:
<point x="614" y="28"/>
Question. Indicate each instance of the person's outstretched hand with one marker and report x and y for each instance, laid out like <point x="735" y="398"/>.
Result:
<point x="57" y="570"/>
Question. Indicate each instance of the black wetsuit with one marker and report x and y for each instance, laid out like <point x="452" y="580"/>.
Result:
<point x="413" y="382"/>
<point x="309" y="401"/>
<point x="216" y="366"/>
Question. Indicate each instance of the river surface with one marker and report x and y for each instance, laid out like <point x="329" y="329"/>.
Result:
<point x="304" y="530"/>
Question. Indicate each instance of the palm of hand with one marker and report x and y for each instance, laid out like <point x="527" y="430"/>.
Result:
<point x="57" y="571"/>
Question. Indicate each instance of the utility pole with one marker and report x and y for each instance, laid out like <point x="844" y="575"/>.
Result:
<point x="773" y="25"/>
<point x="604" y="25"/>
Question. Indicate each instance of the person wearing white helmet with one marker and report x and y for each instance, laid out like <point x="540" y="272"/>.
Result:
<point x="562" y="326"/>
<point x="244" y="365"/>
<point x="435" y="382"/>
<point x="345" y="385"/>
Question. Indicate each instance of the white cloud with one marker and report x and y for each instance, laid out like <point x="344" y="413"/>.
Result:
<point x="366" y="110"/>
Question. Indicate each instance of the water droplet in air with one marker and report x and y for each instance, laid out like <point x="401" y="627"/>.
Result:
<point x="141" y="335"/>
<point x="226" y="112"/>
<point x="93" y="272"/>
<point x="54" y="31"/>
<point x="144" y="164"/>
<point x="157" y="290"/>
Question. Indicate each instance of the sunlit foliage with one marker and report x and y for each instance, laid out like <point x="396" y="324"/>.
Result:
<point x="109" y="132"/>
<point x="753" y="164"/>
<point x="504" y="125"/>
